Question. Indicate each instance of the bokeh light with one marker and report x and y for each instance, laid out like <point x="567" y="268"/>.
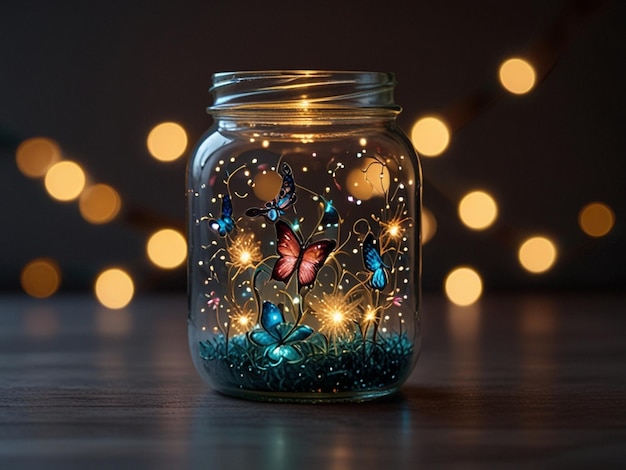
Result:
<point x="429" y="225"/>
<point x="65" y="180"/>
<point x="371" y="179"/>
<point x="517" y="76"/>
<point x="358" y="186"/>
<point x="596" y="219"/>
<point x="478" y="210"/>
<point x="167" y="248"/>
<point x="99" y="204"/>
<point x="114" y="288"/>
<point x="35" y="156"/>
<point x="41" y="278"/>
<point x="430" y="136"/>
<point x="463" y="286"/>
<point x="167" y="141"/>
<point x="537" y="254"/>
<point x="267" y="185"/>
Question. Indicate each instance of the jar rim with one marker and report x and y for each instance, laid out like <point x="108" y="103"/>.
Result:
<point x="302" y="89"/>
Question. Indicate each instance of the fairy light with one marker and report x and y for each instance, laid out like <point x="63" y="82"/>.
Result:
<point x="41" y="278"/>
<point x="167" y="248"/>
<point x="596" y="219"/>
<point x="114" y="288"/>
<point x="537" y="254"/>
<point x="39" y="156"/>
<point x="463" y="286"/>
<point x="167" y="141"/>
<point x="99" y="204"/>
<point x="430" y="136"/>
<point x="36" y="155"/>
<point x="517" y="76"/>
<point x="65" y="180"/>
<point x="478" y="210"/>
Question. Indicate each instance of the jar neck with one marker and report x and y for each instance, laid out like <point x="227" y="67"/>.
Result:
<point x="303" y="96"/>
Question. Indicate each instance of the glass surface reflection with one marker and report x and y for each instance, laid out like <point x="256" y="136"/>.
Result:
<point x="333" y="437"/>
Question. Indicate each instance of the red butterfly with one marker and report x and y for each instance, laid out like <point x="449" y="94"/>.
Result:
<point x="296" y="257"/>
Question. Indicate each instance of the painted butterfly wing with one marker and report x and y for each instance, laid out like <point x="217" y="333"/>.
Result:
<point x="255" y="212"/>
<point x="286" y="197"/>
<point x="313" y="258"/>
<point x="288" y="247"/>
<point x="301" y="332"/>
<point x="271" y="316"/>
<point x="272" y="214"/>
<point x="374" y="263"/>
<point x="307" y="261"/>
<point x="379" y="279"/>
<point x="227" y="207"/>
<point x="287" y="194"/>
<point x="225" y="223"/>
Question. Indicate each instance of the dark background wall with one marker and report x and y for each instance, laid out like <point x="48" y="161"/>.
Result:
<point x="97" y="76"/>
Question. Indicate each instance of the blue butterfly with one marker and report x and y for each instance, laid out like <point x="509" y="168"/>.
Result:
<point x="277" y="335"/>
<point x="374" y="263"/>
<point x="225" y="223"/>
<point x="331" y="216"/>
<point x="286" y="198"/>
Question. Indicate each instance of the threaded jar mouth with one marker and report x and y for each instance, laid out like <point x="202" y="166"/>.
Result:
<point x="303" y="90"/>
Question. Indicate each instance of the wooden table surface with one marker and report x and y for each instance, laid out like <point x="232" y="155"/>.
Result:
<point x="519" y="381"/>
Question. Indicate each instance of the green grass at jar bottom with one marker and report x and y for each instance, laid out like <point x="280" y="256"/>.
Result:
<point x="343" y="365"/>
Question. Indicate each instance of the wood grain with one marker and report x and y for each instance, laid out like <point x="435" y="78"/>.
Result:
<point x="518" y="381"/>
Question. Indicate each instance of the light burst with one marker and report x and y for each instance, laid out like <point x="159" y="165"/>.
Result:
<point x="336" y="313"/>
<point x="244" y="251"/>
<point x="394" y="228"/>
<point x="242" y="320"/>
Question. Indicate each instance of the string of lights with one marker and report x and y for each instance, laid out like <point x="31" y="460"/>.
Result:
<point x="100" y="203"/>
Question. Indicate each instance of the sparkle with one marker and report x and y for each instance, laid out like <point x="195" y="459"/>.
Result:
<point x="242" y="320"/>
<point x="394" y="228"/>
<point x="337" y="314"/>
<point x="244" y="251"/>
<point x="370" y="315"/>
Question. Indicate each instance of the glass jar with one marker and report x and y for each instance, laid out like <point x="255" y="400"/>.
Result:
<point x="304" y="211"/>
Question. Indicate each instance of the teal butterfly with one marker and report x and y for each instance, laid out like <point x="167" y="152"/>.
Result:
<point x="374" y="263"/>
<point x="279" y="336"/>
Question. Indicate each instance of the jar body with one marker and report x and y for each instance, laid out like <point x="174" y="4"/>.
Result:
<point x="304" y="258"/>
